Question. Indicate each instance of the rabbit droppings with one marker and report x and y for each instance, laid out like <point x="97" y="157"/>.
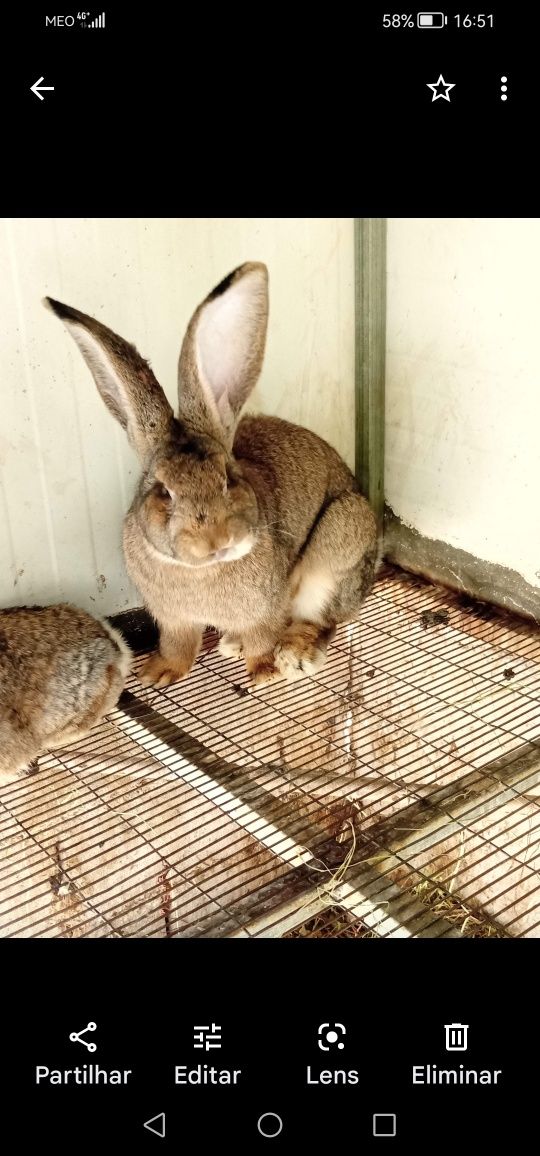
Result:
<point x="256" y="526"/>
<point x="61" y="671"/>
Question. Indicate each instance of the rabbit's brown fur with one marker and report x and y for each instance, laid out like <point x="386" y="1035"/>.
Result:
<point x="60" y="671"/>
<point x="258" y="529"/>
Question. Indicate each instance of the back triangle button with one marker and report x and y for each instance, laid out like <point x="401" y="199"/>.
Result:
<point x="156" y="1125"/>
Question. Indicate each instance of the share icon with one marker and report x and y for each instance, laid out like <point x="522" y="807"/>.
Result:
<point x="77" y="1037"/>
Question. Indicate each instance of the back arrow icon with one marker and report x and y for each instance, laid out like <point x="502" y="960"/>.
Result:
<point x="156" y="1125"/>
<point x="44" y="88"/>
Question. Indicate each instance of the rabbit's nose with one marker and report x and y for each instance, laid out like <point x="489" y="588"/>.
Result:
<point x="221" y="550"/>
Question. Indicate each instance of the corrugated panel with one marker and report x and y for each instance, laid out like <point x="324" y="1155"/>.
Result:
<point x="66" y="472"/>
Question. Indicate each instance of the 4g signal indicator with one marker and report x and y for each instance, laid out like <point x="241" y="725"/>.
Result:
<point x="98" y="22"/>
<point x="78" y="20"/>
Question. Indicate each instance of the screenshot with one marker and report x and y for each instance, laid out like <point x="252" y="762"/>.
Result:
<point x="269" y="578"/>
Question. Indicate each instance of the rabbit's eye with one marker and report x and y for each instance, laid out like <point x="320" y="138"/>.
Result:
<point x="162" y="492"/>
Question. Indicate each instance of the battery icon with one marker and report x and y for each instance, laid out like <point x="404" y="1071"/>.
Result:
<point x="431" y="20"/>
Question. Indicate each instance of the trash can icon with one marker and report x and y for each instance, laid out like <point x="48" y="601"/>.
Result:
<point x="456" y="1037"/>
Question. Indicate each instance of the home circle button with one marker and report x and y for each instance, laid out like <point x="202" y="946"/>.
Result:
<point x="269" y="1124"/>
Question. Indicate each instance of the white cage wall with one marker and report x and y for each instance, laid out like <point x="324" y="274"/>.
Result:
<point x="463" y="385"/>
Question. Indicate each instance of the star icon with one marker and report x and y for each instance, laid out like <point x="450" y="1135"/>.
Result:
<point x="440" y="89"/>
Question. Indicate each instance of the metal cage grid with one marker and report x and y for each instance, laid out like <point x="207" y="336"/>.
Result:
<point x="209" y="809"/>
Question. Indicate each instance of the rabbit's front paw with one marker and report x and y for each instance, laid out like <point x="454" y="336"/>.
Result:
<point x="230" y="646"/>
<point x="159" y="671"/>
<point x="262" y="669"/>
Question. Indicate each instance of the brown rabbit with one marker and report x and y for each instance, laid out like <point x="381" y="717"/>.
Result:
<point x="256" y="528"/>
<point x="60" y="671"/>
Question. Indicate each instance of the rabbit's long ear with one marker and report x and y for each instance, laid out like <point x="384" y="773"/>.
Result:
<point x="222" y="352"/>
<point x="124" y="379"/>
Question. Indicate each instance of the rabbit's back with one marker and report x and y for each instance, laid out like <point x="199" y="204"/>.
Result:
<point x="60" y="669"/>
<point x="297" y="456"/>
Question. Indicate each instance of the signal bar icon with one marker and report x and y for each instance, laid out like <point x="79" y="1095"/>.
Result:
<point x="99" y="22"/>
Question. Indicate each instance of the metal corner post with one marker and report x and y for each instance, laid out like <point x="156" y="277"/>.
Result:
<point x="370" y="353"/>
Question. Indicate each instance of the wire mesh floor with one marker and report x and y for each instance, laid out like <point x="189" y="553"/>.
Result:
<point x="209" y="809"/>
<point x="332" y="923"/>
